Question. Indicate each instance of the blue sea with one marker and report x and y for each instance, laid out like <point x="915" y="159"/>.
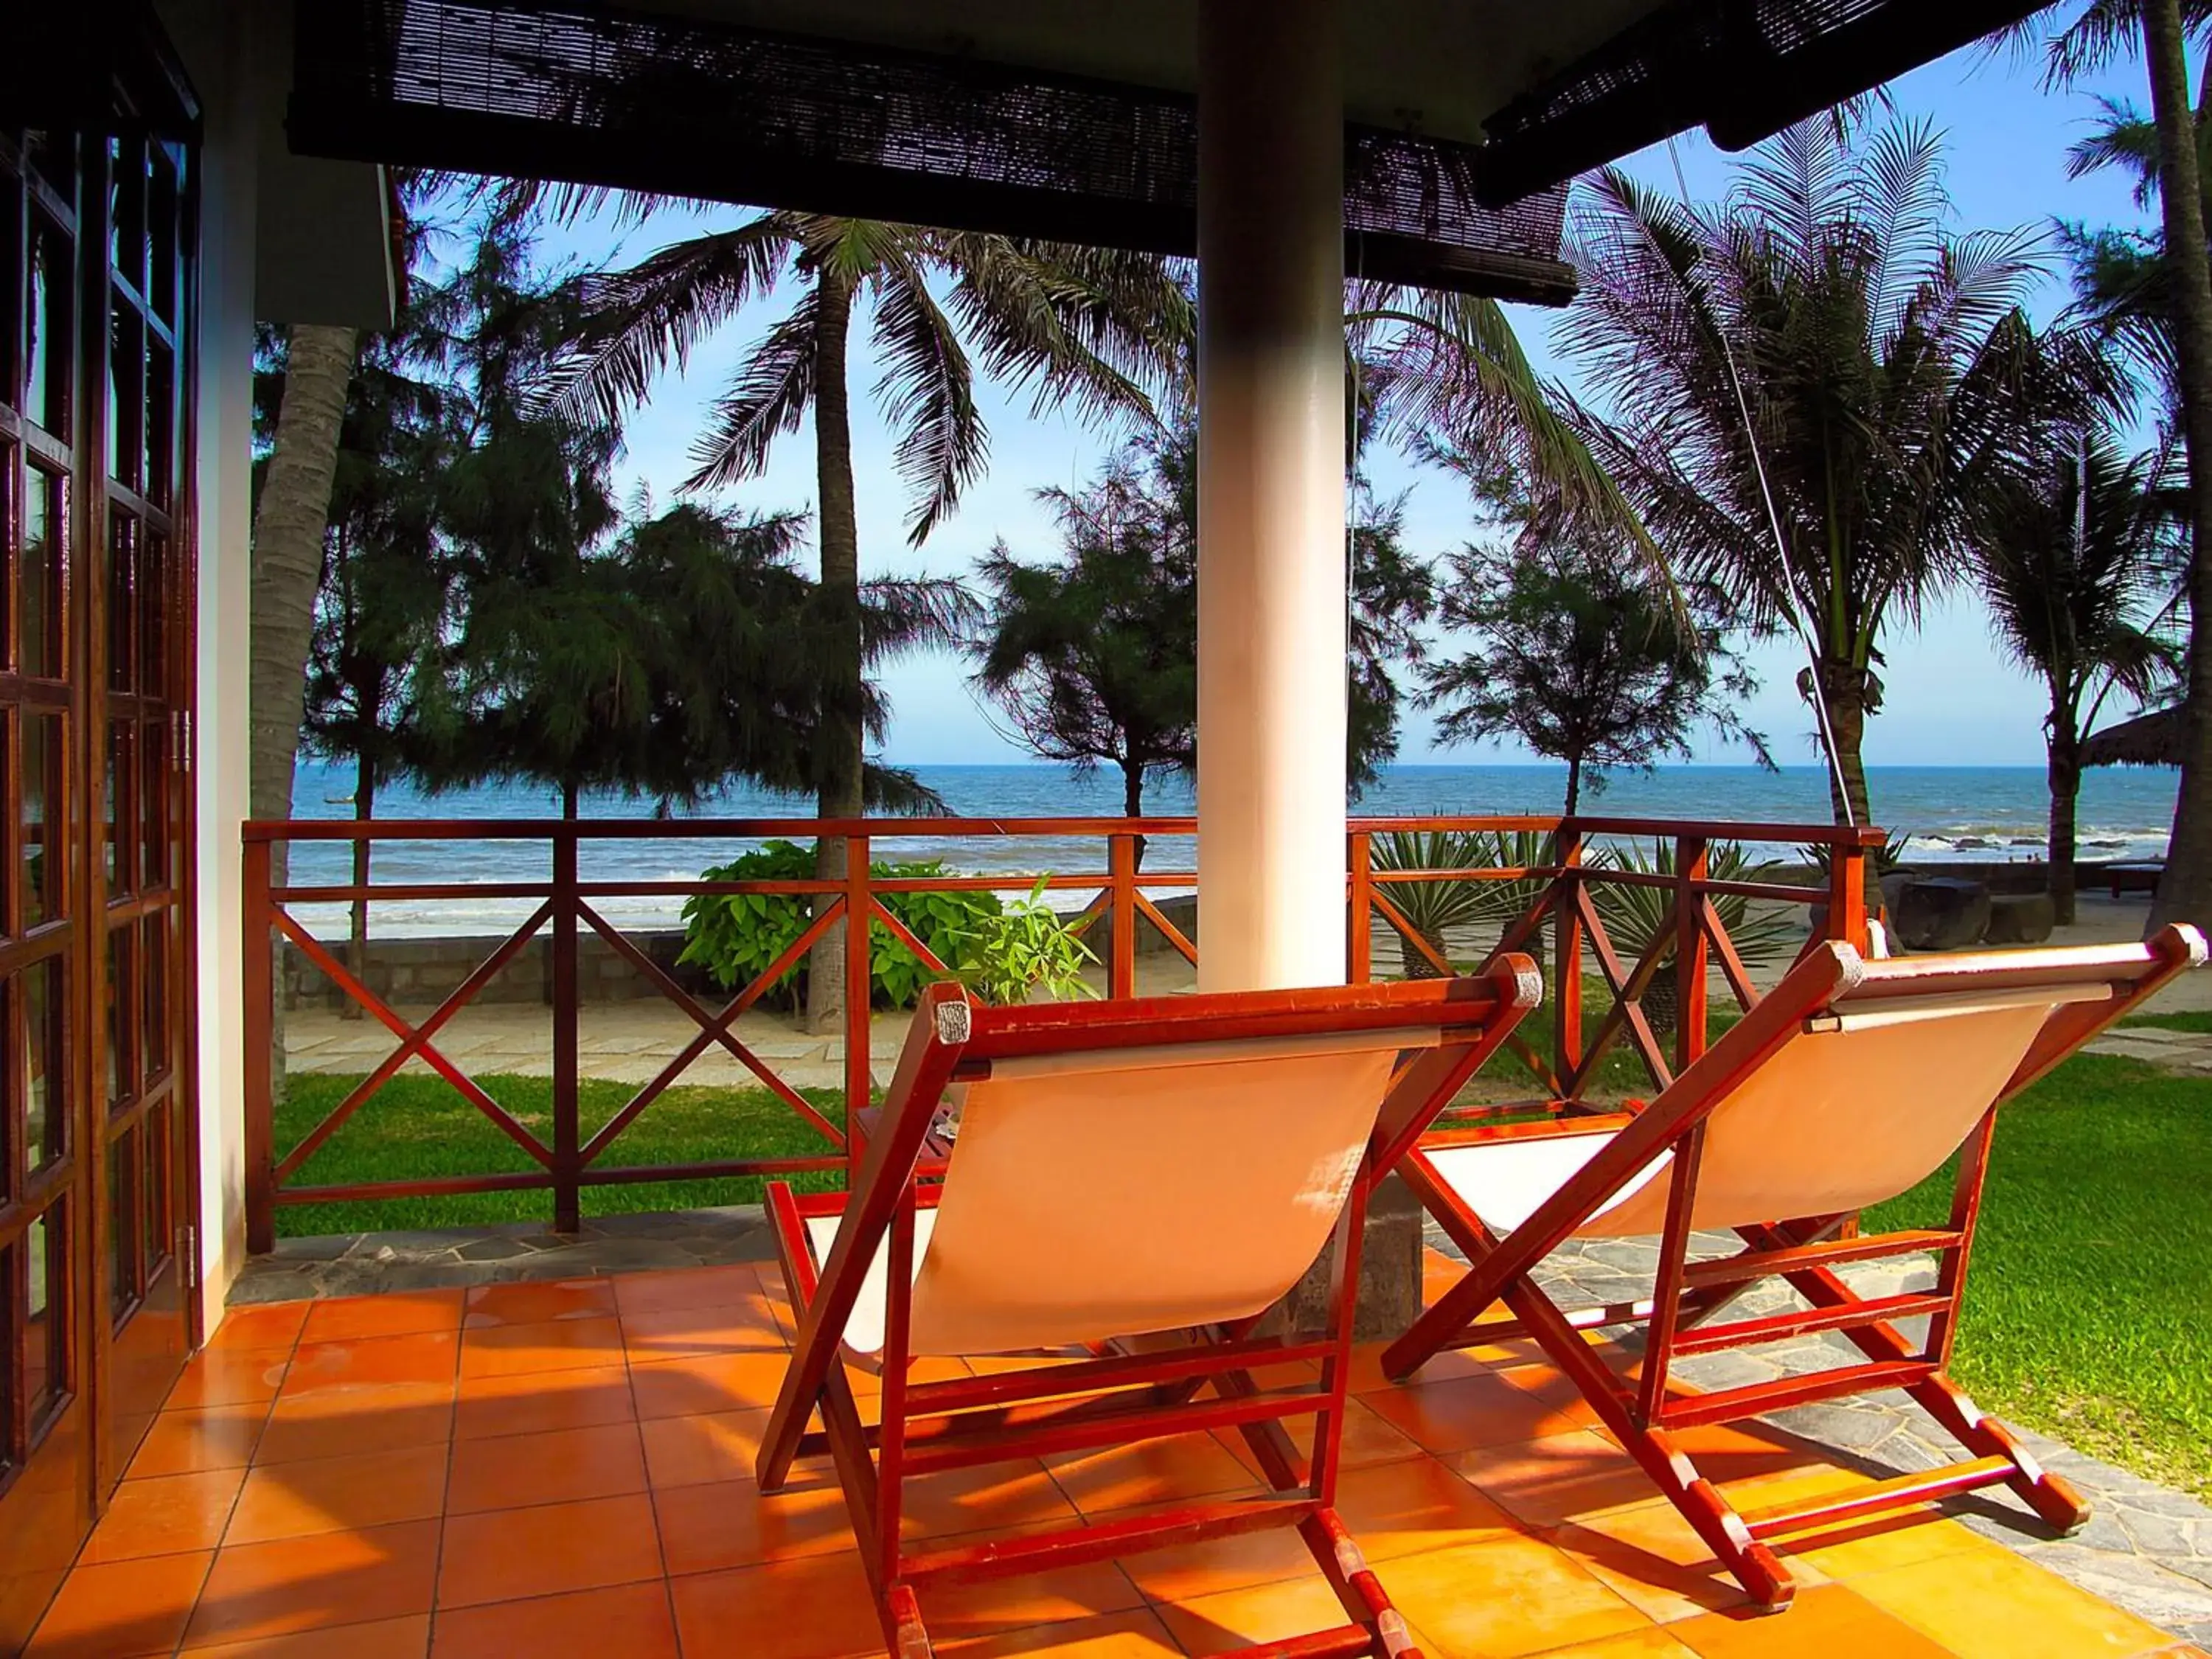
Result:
<point x="1993" y="812"/>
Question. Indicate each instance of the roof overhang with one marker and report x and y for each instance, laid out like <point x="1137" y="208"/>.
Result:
<point x="598" y="95"/>
<point x="2151" y="739"/>
<point x="1075" y="118"/>
<point x="323" y="228"/>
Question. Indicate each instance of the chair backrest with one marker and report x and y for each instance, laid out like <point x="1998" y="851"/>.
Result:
<point x="1137" y="1166"/>
<point x="1145" y="1189"/>
<point x="1866" y="1096"/>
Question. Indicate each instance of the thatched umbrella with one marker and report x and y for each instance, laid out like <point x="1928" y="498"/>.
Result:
<point x="2151" y="739"/>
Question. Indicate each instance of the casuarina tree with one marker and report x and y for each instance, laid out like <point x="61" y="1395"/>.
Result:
<point x="1584" y="654"/>
<point x="680" y="656"/>
<point x="1091" y="656"/>
<point x="1080" y="328"/>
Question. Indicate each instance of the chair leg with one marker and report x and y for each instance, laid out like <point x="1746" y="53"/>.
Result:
<point x="1753" y="1564"/>
<point x="2057" y="1502"/>
<point x="1358" y="1590"/>
<point x="902" y="1627"/>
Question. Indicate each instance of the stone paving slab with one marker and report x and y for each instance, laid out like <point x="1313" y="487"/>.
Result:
<point x="350" y="1264"/>
<point x="2173" y="1051"/>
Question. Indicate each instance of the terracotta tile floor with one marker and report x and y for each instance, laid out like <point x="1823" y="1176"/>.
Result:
<point x="565" y="1469"/>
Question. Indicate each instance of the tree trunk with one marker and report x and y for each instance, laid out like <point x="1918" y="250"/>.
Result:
<point x="1414" y="963"/>
<point x="572" y="799"/>
<point x="2184" y="894"/>
<point x="837" y="769"/>
<point x="364" y="808"/>
<point x="1574" y="784"/>
<point x="2064" y="773"/>
<point x="290" y="522"/>
<point x="1841" y="688"/>
<point x="1132" y="802"/>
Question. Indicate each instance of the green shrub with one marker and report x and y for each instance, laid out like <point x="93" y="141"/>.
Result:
<point x="736" y="937"/>
<point x="1025" y="945"/>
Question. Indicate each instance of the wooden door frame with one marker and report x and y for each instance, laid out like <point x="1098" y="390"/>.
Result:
<point x="163" y="115"/>
<point x="61" y="1473"/>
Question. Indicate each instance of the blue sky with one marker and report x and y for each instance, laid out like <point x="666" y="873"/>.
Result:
<point x="1952" y="700"/>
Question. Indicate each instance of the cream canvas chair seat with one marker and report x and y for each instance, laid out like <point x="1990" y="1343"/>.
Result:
<point x="1164" y="1170"/>
<point x="1849" y="1083"/>
<point x="1121" y="1193"/>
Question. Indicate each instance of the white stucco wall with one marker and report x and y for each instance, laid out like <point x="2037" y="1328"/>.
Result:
<point x="224" y="71"/>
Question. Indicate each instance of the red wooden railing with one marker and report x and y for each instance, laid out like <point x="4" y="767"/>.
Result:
<point x="566" y="904"/>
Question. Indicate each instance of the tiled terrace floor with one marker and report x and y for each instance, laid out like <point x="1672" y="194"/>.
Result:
<point x="556" y="1468"/>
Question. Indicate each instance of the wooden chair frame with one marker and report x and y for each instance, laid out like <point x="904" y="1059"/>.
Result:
<point x="1642" y="1414"/>
<point x="1119" y="1394"/>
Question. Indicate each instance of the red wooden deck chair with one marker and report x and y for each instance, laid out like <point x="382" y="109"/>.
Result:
<point x="1847" y="1084"/>
<point x="1120" y="1170"/>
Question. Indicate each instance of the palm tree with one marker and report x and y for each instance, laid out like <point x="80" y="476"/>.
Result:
<point x="2122" y="281"/>
<point x="1445" y="374"/>
<point x="2089" y="35"/>
<point x="291" y="516"/>
<point x="2073" y="553"/>
<point x="1805" y="381"/>
<point x="1093" y="328"/>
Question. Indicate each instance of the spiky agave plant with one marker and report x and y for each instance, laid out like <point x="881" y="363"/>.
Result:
<point x="1457" y="902"/>
<point x="1634" y="916"/>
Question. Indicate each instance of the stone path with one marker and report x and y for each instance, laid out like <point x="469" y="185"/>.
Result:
<point x="2188" y="1051"/>
<point x="354" y="1264"/>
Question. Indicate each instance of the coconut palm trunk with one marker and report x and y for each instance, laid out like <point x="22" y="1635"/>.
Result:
<point x="2063" y="772"/>
<point x="2184" y="894"/>
<point x="839" y="794"/>
<point x="290" y="522"/>
<point x="1845" y="694"/>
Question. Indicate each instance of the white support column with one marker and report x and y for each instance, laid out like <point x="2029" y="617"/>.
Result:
<point x="1271" y="561"/>
<point x="228" y="196"/>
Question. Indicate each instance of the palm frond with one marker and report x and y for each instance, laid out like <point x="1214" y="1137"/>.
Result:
<point x="1435" y="364"/>
<point x="927" y="390"/>
<point x="637" y="322"/>
<point x="1102" y="329"/>
<point x="2128" y="140"/>
<point x="1899" y="199"/>
<point x="767" y="397"/>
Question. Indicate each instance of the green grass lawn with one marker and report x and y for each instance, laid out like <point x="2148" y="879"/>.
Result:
<point x="2089" y="1303"/>
<point x="2197" y="1020"/>
<point x="419" y="1126"/>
